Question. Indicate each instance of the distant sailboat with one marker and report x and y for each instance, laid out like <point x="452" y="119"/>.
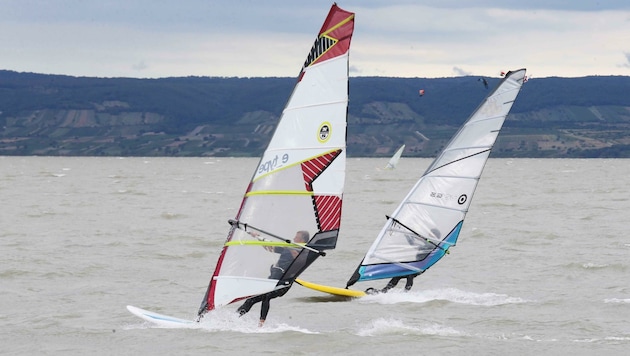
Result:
<point x="393" y="162"/>
<point x="299" y="182"/>
<point x="429" y="219"/>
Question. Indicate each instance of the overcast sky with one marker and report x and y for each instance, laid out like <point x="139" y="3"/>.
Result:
<point x="260" y="38"/>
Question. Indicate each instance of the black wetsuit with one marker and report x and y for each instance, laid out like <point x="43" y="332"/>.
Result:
<point x="264" y="298"/>
<point x="394" y="281"/>
<point x="276" y="272"/>
<point x="286" y="257"/>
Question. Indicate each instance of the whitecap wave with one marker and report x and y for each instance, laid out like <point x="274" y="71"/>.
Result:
<point x="384" y="326"/>
<point x="226" y="320"/>
<point x="617" y="300"/>
<point x="448" y="294"/>
<point x="607" y="339"/>
<point x="594" y="265"/>
<point x="168" y="216"/>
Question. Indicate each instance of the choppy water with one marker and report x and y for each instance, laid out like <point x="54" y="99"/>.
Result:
<point x="540" y="268"/>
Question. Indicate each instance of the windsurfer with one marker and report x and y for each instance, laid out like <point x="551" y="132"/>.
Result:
<point x="287" y="255"/>
<point x="413" y="241"/>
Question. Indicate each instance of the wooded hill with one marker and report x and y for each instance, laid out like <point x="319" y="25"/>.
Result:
<point x="212" y="116"/>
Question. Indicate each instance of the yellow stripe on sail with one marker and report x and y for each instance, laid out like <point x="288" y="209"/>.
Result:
<point x="278" y="192"/>
<point x="263" y="243"/>
<point x="341" y="23"/>
<point x="294" y="164"/>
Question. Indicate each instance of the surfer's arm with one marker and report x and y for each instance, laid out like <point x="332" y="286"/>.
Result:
<point x="257" y="235"/>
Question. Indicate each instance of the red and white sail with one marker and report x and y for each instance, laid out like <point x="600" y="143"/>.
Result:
<point x="298" y="184"/>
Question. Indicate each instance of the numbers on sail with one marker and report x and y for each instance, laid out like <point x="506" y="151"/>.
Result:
<point x="273" y="163"/>
<point x="445" y="196"/>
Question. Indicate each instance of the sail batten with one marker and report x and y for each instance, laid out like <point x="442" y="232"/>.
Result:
<point x="278" y="192"/>
<point x="435" y="207"/>
<point x="262" y="243"/>
<point x="454" y="176"/>
<point x="405" y="265"/>
<point x="296" y="191"/>
<point x="340" y="102"/>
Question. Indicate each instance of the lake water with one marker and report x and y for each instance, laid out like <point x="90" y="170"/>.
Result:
<point x="541" y="266"/>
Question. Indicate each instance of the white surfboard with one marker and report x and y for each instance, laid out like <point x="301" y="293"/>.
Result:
<point x="159" y="319"/>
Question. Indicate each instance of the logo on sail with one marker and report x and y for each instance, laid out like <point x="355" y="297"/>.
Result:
<point x="324" y="132"/>
<point x="322" y="45"/>
<point x="462" y="199"/>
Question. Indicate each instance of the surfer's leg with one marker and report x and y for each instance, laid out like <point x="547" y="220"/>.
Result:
<point x="266" y="298"/>
<point x="249" y="303"/>
<point x="243" y="309"/>
<point x="410" y="281"/>
<point x="392" y="283"/>
<point x="264" y="310"/>
<point x="409" y="284"/>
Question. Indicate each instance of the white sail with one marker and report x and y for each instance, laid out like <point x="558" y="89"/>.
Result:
<point x="299" y="182"/>
<point x="393" y="162"/>
<point x="429" y="219"/>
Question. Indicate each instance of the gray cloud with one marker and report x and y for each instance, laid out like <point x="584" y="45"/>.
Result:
<point x="354" y="70"/>
<point x="244" y="14"/>
<point x="460" y="72"/>
<point x="571" y="5"/>
<point x="255" y="38"/>
<point x="140" y="66"/>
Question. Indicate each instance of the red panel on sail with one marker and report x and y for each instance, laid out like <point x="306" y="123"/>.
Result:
<point x="327" y="207"/>
<point x="328" y="211"/>
<point x="313" y="168"/>
<point x="334" y="37"/>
